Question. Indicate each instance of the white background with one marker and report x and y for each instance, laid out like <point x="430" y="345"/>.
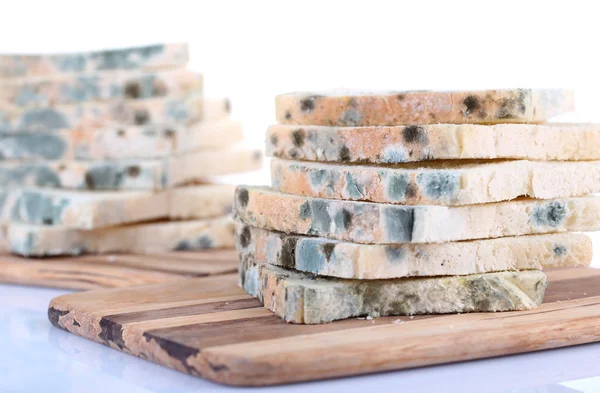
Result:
<point x="253" y="50"/>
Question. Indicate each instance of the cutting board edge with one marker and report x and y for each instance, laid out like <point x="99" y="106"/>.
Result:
<point x="231" y="370"/>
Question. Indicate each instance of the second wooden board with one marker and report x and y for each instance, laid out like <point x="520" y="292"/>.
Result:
<point x="209" y="327"/>
<point x="110" y="271"/>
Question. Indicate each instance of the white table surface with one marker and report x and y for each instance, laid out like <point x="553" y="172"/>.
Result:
<point x="37" y="357"/>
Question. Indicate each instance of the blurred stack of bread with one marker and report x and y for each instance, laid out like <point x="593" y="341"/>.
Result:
<point x="113" y="151"/>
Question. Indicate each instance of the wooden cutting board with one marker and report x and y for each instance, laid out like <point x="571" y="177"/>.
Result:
<point x="209" y="327"/>
<point x="119" y="270"/>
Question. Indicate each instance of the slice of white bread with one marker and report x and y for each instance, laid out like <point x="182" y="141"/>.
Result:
<point x="377" y="223"/>
<point x="397" y="144"/>
<point x="358" y="108"/>
<point x="90" y="210"/>
<point x="80" y="88"/>
<point x="130" y="174"/>
<point x="303" y="298"/>
<point x="437" y="182"/>
<point x="184" y="109"/>
<point x="149" y="57"/>
<point x="154" y="237"/>
<point x="118" y="142"/>
<point x="325" y="257"/>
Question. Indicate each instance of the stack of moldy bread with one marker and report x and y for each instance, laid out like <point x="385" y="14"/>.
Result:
<point x="109" y="151"/>
<point x="417" y="203"/>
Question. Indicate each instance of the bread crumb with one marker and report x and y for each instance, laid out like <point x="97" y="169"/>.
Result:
<point x="398" y="321"/>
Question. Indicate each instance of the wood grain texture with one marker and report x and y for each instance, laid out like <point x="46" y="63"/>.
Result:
<point x="209" y="327"/>
<point x="119" y="270"/>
